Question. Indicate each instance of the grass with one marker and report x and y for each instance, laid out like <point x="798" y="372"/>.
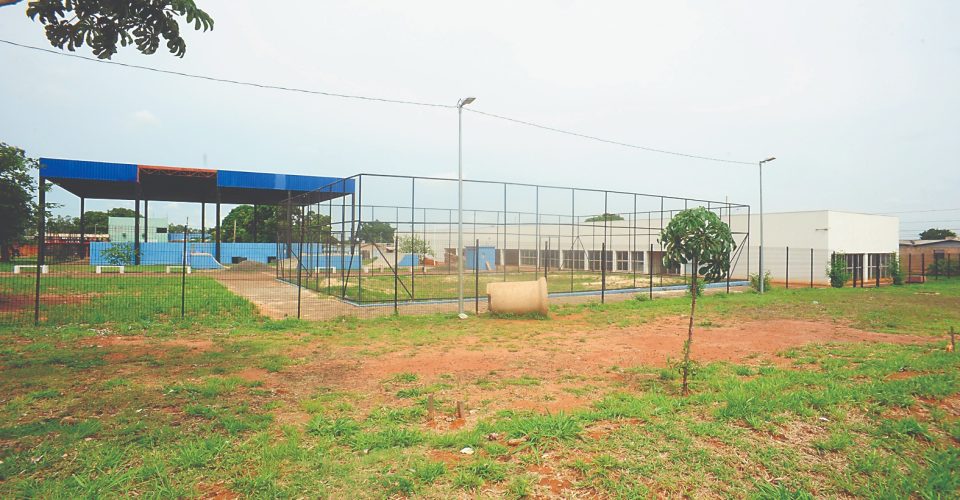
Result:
<point x="88" y="414"/>
<point x="441" y="285"/>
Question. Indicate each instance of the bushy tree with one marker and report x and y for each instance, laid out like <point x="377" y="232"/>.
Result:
<point x="415" y="245"/>
<point x="17" y="187"/>
<point x="103" y="24"/>
<point x="604" y="217"/>
<point x="937" y="234"/>
<point x="697" y="236"/>
<point x="375" y="232"/>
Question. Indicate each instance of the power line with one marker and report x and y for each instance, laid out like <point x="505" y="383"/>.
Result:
<point x="367" y="98"/>
<point x="227" y="80"/>
<point x="608" y="141"/>
<point x="920" y="211"/>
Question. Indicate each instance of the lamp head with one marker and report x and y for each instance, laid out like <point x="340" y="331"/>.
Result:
<point x="769" y="159"/>
<point x="466" y="100"/>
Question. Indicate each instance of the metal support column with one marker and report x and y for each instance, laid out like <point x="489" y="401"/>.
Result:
<point x="136" y="228"/>
<point x="83" y="230"/>
<point x="217" y="249"/>
<point x="41" y="245"/>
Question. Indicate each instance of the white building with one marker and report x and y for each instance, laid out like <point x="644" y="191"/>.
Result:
<point x="797" y="245"/>
<point x="121" y="229"/>
<point x="800" y="243"/>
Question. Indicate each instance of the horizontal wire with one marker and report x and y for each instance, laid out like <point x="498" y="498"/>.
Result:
<point x="608" y="141"/>
<point x="374" y="99"/>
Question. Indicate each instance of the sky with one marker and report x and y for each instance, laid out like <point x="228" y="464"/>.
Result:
<point x="858" y="101"/>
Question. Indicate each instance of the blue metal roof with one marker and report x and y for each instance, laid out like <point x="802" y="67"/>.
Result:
<point x="90" y="170"/>
<point x="93" y="179"/>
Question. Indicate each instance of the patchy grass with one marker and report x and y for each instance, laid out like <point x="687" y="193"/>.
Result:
<point x="244" y="412"/>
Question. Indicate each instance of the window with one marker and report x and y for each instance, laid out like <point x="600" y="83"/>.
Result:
<point x="623" y="261"/>
<point x="638" y="261"/>
<point x="573" y="259"/>
<point x="161" y="230"/>
<point x="595" y="260"/>
<point x="528" y="257"/>
<point x="550" y="258"/>
<point x="883" y="260"/>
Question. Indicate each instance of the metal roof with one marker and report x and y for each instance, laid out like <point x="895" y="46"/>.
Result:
<point x="123" y="181"/>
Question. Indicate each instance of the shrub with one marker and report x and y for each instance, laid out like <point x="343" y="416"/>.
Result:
<point x="896" y="272"/>
<point x="837" y="271"/>
<point x="755" y="281"/>
<point x="119" y="254"/>
<point x="943" y="267"/>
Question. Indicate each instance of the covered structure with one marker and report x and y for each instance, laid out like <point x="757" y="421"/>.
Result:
<point x="132" y="182"/>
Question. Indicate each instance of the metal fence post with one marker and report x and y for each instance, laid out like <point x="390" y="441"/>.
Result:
<point x="603" y="272"/>
<point x="787" y="265"/>
<point x="476" y="277"/>
<point x="41" y="246"/>
<point x="650" y="270"/>
<point x="878" y="271"/>
<point x="923" y="267"/>
<point x="811" y="268"/>
<point x="300" y="263"/>
<point x="396" y="276"/>
<point x="183" y="271"/>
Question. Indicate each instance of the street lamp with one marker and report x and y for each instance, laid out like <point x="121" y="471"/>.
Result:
<point x="460" y="104"/>
<point x="761" y="275"/>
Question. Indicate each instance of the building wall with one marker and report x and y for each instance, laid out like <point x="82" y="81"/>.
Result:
<point x="121" y="229"/>
<point x="916" y="259"/>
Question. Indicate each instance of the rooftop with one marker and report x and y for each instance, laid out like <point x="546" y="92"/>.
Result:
<point x="125" y="181"/>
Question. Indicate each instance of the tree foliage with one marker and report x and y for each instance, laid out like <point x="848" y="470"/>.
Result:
<point x="415" y="245"/>
<point x="697" y="236"/>
<point x="837" y="270"/>
<point x="94" y="221"/>
<point x="17" y="187"/>
<point x="119" y="254"/>
<point x="103" y="24"/>
<point x="375" y="232"/>
<point x="604" y="217"/>
<point x="937" y="234"/>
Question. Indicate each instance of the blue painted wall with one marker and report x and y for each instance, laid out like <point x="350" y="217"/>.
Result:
<point x="488" y="258"/>
<point x="171" y="254"/>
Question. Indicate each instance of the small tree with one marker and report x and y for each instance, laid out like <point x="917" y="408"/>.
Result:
<point x="837" y="270"/>
<point x="895" y="270"/>
<point x="415" y="245"/>
<point x="697" y="236"/>
<point x="119" y="254"/>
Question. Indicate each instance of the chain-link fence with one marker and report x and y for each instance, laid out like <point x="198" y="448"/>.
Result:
<point x="394" y="243"/>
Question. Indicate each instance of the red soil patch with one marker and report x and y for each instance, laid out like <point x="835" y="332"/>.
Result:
<point x="23" y="302"/>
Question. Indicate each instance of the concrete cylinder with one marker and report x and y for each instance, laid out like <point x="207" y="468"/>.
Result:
<point x="518" y="297"/>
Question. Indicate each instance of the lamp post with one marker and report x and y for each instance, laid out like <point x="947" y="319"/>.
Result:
<point x="761" y="275"/>
<point x="460" y="104"/>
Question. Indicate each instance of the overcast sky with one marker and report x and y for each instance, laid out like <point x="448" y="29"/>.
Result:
<point x="859" y="101"/>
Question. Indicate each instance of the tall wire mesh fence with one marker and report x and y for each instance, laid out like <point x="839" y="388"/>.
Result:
<point x="394" y="243"/>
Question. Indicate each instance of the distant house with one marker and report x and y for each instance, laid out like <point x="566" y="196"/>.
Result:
<point x="916" y="256"/>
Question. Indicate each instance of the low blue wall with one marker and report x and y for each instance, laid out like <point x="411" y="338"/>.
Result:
<point x="171" y="254"/>
<point x="487" y="258"/>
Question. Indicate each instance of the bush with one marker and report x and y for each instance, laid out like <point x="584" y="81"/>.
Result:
<point x="942" y="267"/>
<point x="755" y="281"/>
<point x="837" y="271"/>
<point x="119" y="254"/>
<point x="896" y="272"/>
